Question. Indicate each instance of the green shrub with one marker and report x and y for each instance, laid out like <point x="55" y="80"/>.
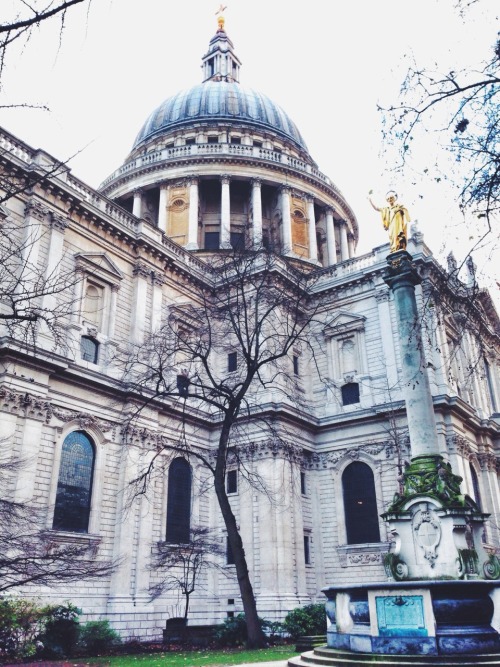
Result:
<point x="97" y="637"/>
<point x="61" y="632"/>
<point x="21" y="621"/>
<point x="308" y="620"/>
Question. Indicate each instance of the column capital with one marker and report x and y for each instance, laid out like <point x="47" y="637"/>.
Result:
<point x="192" y="180"/>
<point x="225" y="179"/>
<point x="35" y="209"/>
<point x="141" y="269"/>
<point x="328" y="210"/>
<point x="401" y="270"/>
<point x="382" y="294"/>
<point x="158" y="278"/>
<point x="256" y="182"/>
<point x="309" y="199"/>
<point x="59" y="222"/>
<point x="164" y="185"/>
<point x="285" y="189"/>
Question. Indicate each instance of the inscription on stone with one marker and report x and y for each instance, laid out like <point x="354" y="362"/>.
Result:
<point x="400" y="615"/>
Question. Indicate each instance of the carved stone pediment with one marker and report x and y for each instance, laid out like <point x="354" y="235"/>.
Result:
<point x="345" y="322"/>
<point x="98" y="264"/>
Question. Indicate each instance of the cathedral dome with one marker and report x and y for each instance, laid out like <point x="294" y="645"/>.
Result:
<point x="216" y="100"/>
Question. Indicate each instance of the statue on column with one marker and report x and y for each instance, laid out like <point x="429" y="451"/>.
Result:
<point x="395" y="219"/>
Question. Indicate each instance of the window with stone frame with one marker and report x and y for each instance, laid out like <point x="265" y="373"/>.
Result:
<point x="232" y="481"/>
<point x="74" y="486"/>
<point x="89" y="349"/>
<point x="179" y="502"/>
<point x="360" y="504"/>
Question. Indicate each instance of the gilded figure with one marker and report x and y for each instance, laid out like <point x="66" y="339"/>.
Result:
<point x="395" y="219"/>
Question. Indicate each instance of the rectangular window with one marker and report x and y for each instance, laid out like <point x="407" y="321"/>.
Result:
<point x="190" y="142"/>
<point x="232" y="481"/>
<point x="232" y="362"/>
<point x="257" y="144"/>
<point x="212" y="240"/>
<point x="230" y="614"/>
<point x="307" y="550"/>
<point x="237" y="240"/>
<point x="303" y="483"/>
<point x="236" y="140"/>
<point x="295" y="365"/>
<point x="229" y="553"/>
<point x="230" y="600"/>
<point x="213" y="140"/>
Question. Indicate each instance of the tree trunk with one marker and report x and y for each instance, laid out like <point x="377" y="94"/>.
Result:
<point x="255" y="636"/>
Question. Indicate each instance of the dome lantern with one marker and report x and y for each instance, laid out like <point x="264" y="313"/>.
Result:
<point x="220" y="63"/>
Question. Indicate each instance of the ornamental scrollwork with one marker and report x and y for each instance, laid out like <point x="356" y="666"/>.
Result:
<point x="27" y="404"/>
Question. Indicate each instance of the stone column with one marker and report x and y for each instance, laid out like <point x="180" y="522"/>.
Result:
<point x="32" y="437"/>
<point x="158" y="282"/>
<point x="402" y="278"/>
<point x="286" y="221"/>
<point x="112" y="311"/>
<point x="330" y="237"/>
<point x="35" y="215"/>
<point x="313" y="242"/>
<point x="257" y="213"/>
<point x="350" y="244"/>
<point x="192" y="243"/>
<point x="344" y="248"/>
<point x="225" y="212"/>
<point x="58" y="224"/>
<point x="162" y="208"/>
<point x="137" y="207"/>
<point x="142" y="273"/>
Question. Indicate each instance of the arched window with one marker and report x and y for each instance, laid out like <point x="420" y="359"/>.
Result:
<point x="475" y="485"/>
<point x="179" y="502"/>
<point x="74" y="487"/>
<point x="360" y="504"/>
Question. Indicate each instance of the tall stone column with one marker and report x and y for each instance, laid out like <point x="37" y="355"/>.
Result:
<point x="162" y="208"/>
<point x="257" y="213"/>
<point x="35" y="216"/>
<point x="142" y="274"/>
<point x="112" y="311"/>
<point x="344" y="247"/>
<point x="437" y="531"/>
<point x="58" y="224"/>
<point x="158" y="282"/>
<point x="225" y="212"/>
<point x="286" y="220"/>
<point x="313" y="242"/>
<point x="330" y="238"/>
<point x="192" y="243"/>
<point x="350" y="244"/>
<point x="402" y="278"/>
<point x="137" y="207"/>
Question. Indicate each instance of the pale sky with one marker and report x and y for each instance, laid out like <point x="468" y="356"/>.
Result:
<point x="327" y="63"/>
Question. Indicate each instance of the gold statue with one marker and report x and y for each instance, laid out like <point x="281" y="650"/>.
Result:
<point x="395" y="218"/>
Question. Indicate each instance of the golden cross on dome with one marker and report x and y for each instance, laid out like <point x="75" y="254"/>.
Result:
<point x="219" y="13"/>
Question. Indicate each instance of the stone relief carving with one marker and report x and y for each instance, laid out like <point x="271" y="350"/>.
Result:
<point x="84" y="419"/>
<point x="26" y="404"/>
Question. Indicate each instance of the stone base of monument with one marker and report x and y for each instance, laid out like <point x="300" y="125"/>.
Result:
<point x="441" y="622"/>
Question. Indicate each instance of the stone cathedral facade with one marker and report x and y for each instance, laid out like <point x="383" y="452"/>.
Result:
<point x="216" y="167"/>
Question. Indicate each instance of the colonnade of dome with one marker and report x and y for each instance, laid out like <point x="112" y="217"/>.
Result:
<point x="221" y="166"/>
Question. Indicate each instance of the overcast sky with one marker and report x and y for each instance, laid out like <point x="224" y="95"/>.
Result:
<point x="327" y="63"/>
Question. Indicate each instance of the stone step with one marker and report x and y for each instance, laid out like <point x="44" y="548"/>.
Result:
<point x="324" y="657"/>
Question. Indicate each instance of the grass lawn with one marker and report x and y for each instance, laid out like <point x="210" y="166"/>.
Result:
<point x="205" y="658"/>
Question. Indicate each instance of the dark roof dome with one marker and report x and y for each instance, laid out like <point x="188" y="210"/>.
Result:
<point x="218" y="101"/>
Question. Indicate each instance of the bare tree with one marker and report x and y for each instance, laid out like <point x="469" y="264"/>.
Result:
<point x="182" y="566"/>
<point x="461" y="108"/>
<point x="223" y="354"/>
<point x="29" y="554"/>
<point x="29" y="16"/>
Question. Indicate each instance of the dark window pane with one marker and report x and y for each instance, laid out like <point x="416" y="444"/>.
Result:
<point x="213" y="140"/>
<point x="307" y="552"/>
<point x="295" y="364"/>
<point x="303" y="483"/>
<point x="212" y="240"/>
<point x="179" y="502"/>
<point x="74" y="487"/>
<point x="232" y="361"/>
<point x="360" y="504"/>
<point x="237" y="240"/>
<point x="232" y="481"/>
<point x="475" y="485"/>
<point x="350" y="393"/>
<point x="89" y="349"/>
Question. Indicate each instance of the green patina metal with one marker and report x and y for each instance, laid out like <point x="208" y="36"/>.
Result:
<point x="432" y="477"/>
